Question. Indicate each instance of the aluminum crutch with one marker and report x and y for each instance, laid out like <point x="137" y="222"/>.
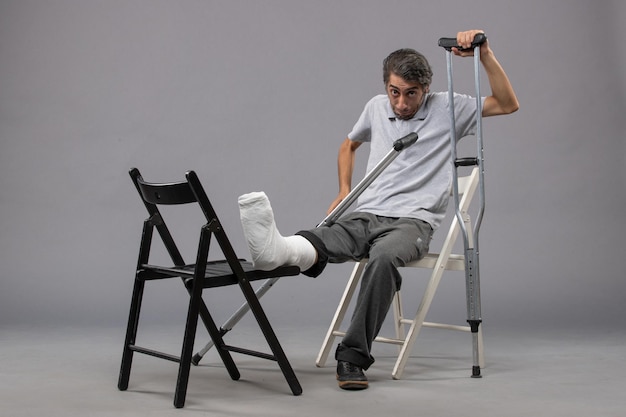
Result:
<point x="398" y="146"/>
<point x="470" y="239"/>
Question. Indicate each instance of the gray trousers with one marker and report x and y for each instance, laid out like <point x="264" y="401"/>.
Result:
<point x="389" y="243"/>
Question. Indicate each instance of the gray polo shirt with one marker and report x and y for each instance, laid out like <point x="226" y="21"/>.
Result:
<point x="417" y="183"/>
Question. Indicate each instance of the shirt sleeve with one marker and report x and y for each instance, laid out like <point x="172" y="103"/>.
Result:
<point x="362" y="130"/>
<point x="465" y="114"/>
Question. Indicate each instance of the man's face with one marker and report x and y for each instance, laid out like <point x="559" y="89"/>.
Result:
<point x="405" y="97"/>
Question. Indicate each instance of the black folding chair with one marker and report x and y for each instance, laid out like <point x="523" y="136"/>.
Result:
<point x="196" y="277"/>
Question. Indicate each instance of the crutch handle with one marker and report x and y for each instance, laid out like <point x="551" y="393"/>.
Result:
<point x="405" y="142"/>
<point x="449" y="43"/>
<point x="466" y="162"/>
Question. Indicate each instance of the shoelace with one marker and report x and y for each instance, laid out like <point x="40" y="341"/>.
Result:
<point x="349" y="367"/>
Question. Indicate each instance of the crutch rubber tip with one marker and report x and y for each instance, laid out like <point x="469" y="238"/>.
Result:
<point x="196" y="359"/>
<point x="476" y="372"/>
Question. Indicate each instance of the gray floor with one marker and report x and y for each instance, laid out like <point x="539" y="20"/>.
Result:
<point x="73" y="372"/>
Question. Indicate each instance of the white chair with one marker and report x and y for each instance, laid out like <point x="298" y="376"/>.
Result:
<point x="438" y="262"/>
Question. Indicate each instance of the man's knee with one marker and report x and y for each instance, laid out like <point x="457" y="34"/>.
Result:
<point x="384" y="269"/>
<point x="386" y="257"/>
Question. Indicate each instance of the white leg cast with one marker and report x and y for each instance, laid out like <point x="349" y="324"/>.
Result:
<point x="268" y="248"/>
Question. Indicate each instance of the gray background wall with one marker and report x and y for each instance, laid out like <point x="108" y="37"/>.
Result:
<point x="257" y="95"/>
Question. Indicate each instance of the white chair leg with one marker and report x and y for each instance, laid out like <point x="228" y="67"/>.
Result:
<point x="417" y="322"/>
<point x="398" y="316"/>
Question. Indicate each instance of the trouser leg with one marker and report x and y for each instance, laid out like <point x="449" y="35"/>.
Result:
<point x="379" y="283"/>
<point x="389" y="243"/>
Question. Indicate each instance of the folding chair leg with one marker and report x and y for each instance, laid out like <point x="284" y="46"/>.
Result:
<point x="217" y="340"/>
<point x="406" y="348"/>
<point x="416" y="324"/>
<point x="340" y="313"/>
<point x="398" y="314"/>
<point x="272" y="339"/>
<point x="234" y="319"/>
<point x="187" y="350"/>
<point x="131" y="334"/>
<point x="419" y="321"/>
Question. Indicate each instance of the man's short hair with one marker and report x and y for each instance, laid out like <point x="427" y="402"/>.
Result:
<point x="409" y="65"/>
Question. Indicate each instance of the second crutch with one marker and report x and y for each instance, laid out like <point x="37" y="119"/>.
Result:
<point x="470" y="238"/>
<point x="398" y="146"/>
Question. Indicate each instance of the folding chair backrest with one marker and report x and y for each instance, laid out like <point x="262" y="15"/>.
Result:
<point x="153" y="195"/>
<point x="179" y="193"/>
<point x="170" y="194"/>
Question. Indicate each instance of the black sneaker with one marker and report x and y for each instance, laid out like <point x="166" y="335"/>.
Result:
<point x="350" y="376"/>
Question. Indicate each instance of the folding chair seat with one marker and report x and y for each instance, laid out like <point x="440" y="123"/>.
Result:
<point x="200" y="275"/>
<point x="438" y="263"/>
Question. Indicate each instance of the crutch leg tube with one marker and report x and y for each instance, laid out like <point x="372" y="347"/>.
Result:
<point x="398" y="146"/>
<point x="470" y="239"/>
<point x="234" y="319"/>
